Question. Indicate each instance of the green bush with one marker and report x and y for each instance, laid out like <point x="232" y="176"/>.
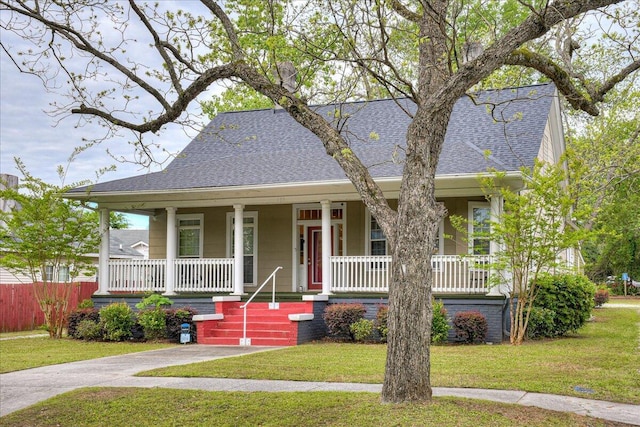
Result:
<point x="570" y="296"/>
<point x="77" y="316"/>
<point x="470" y="326"/>
<point x="362" y="330"/>
<point x="153" y="323"/>
<point x="154" y="300"/>
<point x="85" y="303"/>
<point x="88" y="330"/>
<point x="440" y="323"/>
<point x="117" y="320"/>
<point x="541" y="323"/>
<point x="381" y="322"/>
<point x="340" y="317"/>
<point x="601" y="297"/>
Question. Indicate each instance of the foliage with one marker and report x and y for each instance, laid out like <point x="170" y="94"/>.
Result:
<point x="46" y="238"/>
<point x="155" y="300"/>
<point x="541" y="323"/>
<point x="85" y="303"/>
<point x="88" y="330"/>
<point x="77" y="316"/>
<point x="618" y="287"/>
<point x="154" y="323"/>
<point x="117" y="220"/>
<point x="601" y="296"/>
<point x="340" y="317"/>
<point x="362" y="330"/>
<point x="439" y="324"/>
<point x="117" y="320"/>
<point x="604" y="157"/>
<point x="470" y="326"/>
<point x="569" y="296"/>
<point x="381" y="322"/>
<point x="175" y="318"/>
<point x="529" y="233"/>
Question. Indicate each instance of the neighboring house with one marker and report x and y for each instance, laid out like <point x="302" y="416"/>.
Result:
<point x="124" y="244"/>
<point x="255" y="191"/>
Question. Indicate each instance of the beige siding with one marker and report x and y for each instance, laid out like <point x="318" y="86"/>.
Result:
<point x="275" y="226"/>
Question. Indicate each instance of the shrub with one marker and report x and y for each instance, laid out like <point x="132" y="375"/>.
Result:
<point x="470" y="326"/>
<point x="77" y="316"/>
<point x="362" y="330"/>
<point x="85" y="303"/>
<point x="440" y="323"/>
<point x="175" y="318"/>
<point x="600" y="297"/>
<point x="541" y="323"/>
<point x="340" y="317"/>
<point x="381" y="322"/>
<point x="88" y="330"/>
<point x="117" y="320"/>
<point x="570" y="296"/>
<point x="153" y="300"/>
<point x="153" y="323"/>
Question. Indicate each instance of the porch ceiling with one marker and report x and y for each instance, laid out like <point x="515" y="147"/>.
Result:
<point x="289" y="193"/>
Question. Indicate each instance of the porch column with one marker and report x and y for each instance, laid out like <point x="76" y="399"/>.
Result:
<point x="103" y="257"/>
<point x="495" y="247"/>
<point x="238" y="250"/>
<point x="326" y="247"/>
<point x="172" y="244"/>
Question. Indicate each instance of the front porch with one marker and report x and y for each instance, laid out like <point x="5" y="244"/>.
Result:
<point x="453" y="274"/>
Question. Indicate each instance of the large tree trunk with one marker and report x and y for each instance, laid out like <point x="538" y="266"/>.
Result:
<point x="410" y="312"/>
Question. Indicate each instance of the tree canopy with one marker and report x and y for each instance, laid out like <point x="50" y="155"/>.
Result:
<point x="432" y="52"/>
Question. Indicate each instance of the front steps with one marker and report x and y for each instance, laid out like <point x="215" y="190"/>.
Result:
<point x="265" y="326"/>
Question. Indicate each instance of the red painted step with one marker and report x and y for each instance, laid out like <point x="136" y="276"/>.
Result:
<point x="264" y="326"/>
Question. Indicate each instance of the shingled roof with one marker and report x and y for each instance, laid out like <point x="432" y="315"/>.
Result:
<point x="263" y="147"/>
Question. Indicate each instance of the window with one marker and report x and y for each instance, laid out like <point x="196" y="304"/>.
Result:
<point x="377" y="242"/>
<point x="60" y="276"/>
<point x="479" y="228"/>
<point x="250" y="244"/>
<point x="190" y="232"/>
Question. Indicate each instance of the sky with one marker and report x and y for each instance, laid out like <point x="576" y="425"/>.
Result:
<point x="43" y="142"/>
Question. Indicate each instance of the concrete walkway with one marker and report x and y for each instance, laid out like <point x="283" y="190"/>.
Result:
<point x="21" y="389"/>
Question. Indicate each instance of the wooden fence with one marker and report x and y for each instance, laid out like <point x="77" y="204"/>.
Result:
<point x="19" y="310"/>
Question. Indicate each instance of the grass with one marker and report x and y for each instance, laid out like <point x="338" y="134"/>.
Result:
<point x="18" y="354"/>
<point x="603" y="357"/>
<point x="167" y="407"/>
<point x="34" y="333"/>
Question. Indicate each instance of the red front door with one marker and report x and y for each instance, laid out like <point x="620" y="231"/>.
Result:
<point x="314" y="261"/>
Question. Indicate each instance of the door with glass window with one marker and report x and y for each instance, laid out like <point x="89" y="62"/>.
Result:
<point x="314" y="261"/>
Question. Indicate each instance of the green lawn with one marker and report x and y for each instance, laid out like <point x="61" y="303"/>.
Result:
<point x="165" y="407"/>
<point x="603" y="357"/>
<point x="43" y="351"/>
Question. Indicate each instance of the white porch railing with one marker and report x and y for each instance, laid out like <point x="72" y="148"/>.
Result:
<point x="451" y="273"/>
<point x="137" y="275"/>
<point x="204" y="275"/>
<point x="191" y="275"/>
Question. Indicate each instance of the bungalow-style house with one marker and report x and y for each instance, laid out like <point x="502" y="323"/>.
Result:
<point x="254" y="198"/>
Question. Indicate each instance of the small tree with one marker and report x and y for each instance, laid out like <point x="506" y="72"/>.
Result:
<point x="46" y="238"/>
<point x="529" y="234"/>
